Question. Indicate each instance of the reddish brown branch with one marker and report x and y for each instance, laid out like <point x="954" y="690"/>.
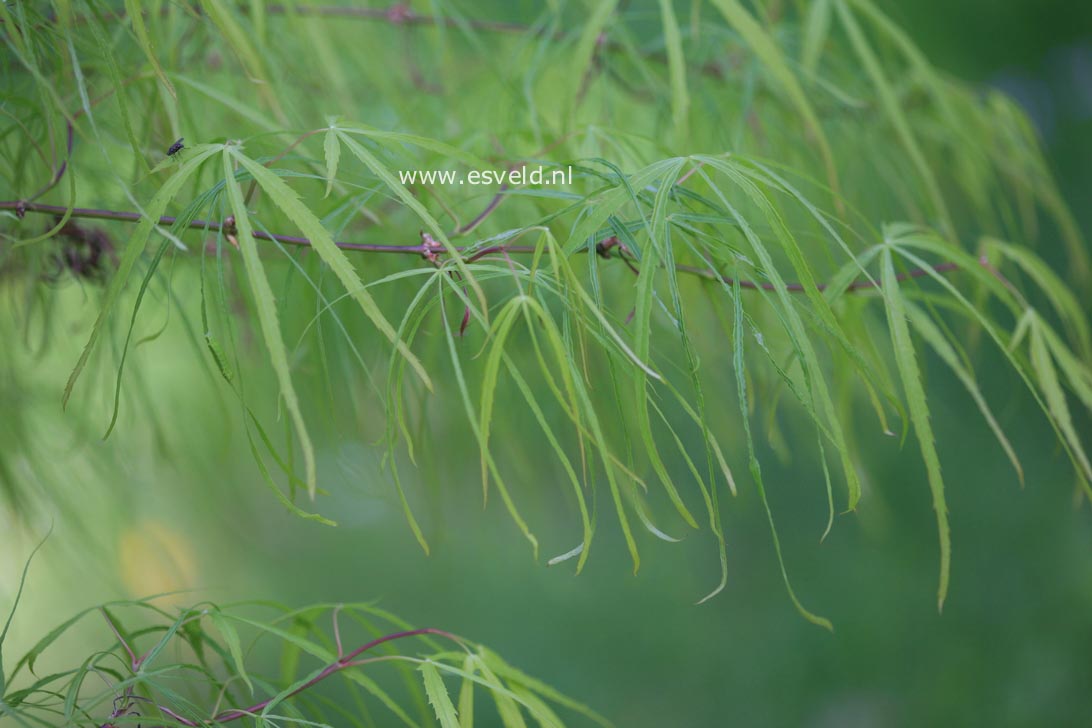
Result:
<point x="431" y="250"/>
<point x="342" y="663"/>
<point x="134" y="661"/>
<point x="58" y="173"/>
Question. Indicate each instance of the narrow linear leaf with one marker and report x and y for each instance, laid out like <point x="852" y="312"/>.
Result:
<point x="231" y="638"/>
<point x="266" y="305"/>
<point x="676" y="66"/>
<point x="332" y="147"/>
<point x="438" y="696"/>
<point x="910" y="375"/>
<point x="894" y="112"/>
<point x="777" y="64"/>
<point x="135" y="12"/>
<point x="133" y="250"/>
<point x="15" y="605"/>
<point x="288" y="201"/>
<point x="756" y="469"/>
<point x="933" y="336"/>
<point x="1043" y="364"/>
<point x="466" y="696"/>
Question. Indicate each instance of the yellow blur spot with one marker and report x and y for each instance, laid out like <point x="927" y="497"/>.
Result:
<point x="153" y="558"/>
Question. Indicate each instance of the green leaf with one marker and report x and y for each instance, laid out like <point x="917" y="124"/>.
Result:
<point x="134" y="248"/>
<point x="814" y="377"/>
<point x="134" y="10"/>
<point x="332" y="147"/>
<point x="235" y="647"/>
<point x="1043" y="364"/>
<point x="15" y="605"/>
<point x="438" y="695"/>
<point x="756" y="469"/>
<point x="816" y="30"/>
<point x="602" y="206"/>
<point x="239" y="41"/>
<point x="537" y="707"/>
<point x="266" y="306"/>
<point x="474" y="420"/>
<point x="651" y="260"/>
<point x="381" y="171"/>
<point x="95" y="24"/>
<point x="777" y="64"/>
<point x="910" y="375"/>
<point x="152" y="267"/>
<point x="516" y="676"/>
<point x="534" y="315"/>
<point x="946" y="351"/>
<point x="398" y="138"/>
<point x="1053" y="287"/>
<point x="507" y="707"/>
<point x="466" y="696"/>
<point x="894" y="112"/>
<point x="288" y="201"/>
<point x="676" y="67"/>
<point x="584" y="52"/>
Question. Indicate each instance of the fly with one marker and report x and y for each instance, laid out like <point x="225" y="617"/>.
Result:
<point x="176" y="147"/>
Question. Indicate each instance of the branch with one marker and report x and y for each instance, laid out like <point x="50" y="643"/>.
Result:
<point x="333" y="668"/>
<point x="430" y="250"/>
<point x="228" y="225"/>
<point x="134" y="661"/>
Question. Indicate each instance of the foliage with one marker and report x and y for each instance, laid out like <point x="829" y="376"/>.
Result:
<point x="782" y="204"/>
<point x="194" y="672"/>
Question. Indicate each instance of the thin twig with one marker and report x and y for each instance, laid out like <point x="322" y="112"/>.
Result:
<point x="499" y="197"/>
<point x="331" y="669"/>
<point x="58" y="173"/>
<point x="342" y="663"/>
<point x="134" y="662"/>
<point x="430" y="250"/>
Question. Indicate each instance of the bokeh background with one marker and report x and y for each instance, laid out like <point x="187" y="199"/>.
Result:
<point x="1013" y="646"/>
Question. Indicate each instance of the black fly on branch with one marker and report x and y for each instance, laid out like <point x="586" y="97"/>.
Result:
<point x="176" y="147"/>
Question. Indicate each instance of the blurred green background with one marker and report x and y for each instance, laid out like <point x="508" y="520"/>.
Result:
<point x="1013" y="646"/>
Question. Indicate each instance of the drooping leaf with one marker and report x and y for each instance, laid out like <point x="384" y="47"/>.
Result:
<point x="266" y="306"/>
<point x="906" y="362"/>
<point x="133" y="250"/>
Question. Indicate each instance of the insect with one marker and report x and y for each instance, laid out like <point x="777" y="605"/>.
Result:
<point x="176" y="147"/>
